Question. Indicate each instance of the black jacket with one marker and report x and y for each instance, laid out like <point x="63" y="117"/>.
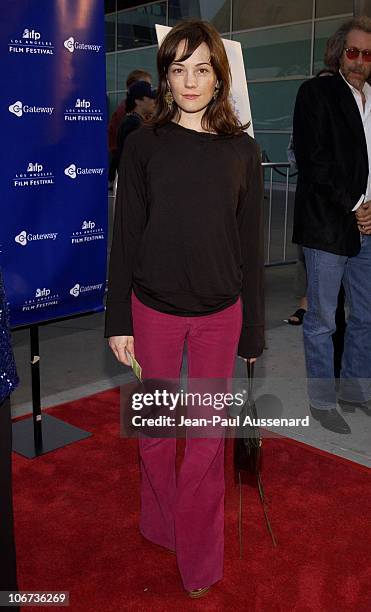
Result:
<point x="331" y="154"/>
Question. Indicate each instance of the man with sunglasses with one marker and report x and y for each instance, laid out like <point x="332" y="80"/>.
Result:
<point x="332" y="221"/>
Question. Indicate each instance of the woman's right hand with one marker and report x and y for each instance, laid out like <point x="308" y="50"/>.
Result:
<point x="119" y="346"/>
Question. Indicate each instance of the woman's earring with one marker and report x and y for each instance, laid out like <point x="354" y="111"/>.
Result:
<point x="169" y="99"/>
<point x="216" y="91"/>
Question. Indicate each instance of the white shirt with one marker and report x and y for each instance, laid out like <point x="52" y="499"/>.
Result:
<point x="366" y="120"/>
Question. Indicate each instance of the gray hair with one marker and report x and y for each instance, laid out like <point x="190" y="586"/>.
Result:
<point x="336" y="42"/>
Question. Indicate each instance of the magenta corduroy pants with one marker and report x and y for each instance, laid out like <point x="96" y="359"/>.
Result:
<point x="186" y="514"/>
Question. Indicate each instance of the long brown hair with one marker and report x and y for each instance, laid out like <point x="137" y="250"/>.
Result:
<point x="219" y="115"/>
<point x="336" y="42"/>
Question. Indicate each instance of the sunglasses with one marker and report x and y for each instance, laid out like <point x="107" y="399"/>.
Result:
<point x="352" y="53"/>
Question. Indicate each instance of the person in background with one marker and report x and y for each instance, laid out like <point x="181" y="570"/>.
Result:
<point x="301" y="274"/>
<point x="332" y="221"/>
<point x="117" y="117"/>
<point x="301" y="280"/>
<point x="8" y="382"/>
<point x="139" y="104"/>
<point x="187" y="268"/>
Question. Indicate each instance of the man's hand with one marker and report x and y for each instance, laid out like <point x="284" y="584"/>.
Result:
<point x="119" y="346"/>
<point x="363" y="216"/>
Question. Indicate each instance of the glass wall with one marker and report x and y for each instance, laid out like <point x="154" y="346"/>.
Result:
<point x="283" y="43"/>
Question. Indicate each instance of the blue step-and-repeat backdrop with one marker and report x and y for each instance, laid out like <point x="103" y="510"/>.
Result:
<point x="53" y="219"/>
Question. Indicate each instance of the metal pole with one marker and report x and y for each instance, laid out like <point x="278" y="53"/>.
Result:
<point x="286" y="212"/>
<point x="270" y="217"/>
<point x="41" y="433"/>
<point x="35" y="379"/>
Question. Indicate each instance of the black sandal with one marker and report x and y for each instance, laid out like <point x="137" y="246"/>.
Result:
<point x="299" y="314"/>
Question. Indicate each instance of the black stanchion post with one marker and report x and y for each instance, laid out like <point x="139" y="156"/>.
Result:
<point x="35" y="382"/>
<point x="41" y="434"/>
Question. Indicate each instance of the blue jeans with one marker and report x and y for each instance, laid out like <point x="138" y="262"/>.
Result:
<point x="325" y="272"/>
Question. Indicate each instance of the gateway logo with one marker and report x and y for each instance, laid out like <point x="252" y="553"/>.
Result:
<point x="71" y="45"/>
<point x="23" y="238"/>
<point x="79" y="289"/>
<point x="72" y="171"/>
<point x="18" y="109"/>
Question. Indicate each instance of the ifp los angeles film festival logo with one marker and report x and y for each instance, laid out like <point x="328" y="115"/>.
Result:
<point x="89" y="231"/>
<point x="78" y="290"/>
<point x="30" y="41"/>
<point x="42" y="297"/>
<point x="72" y="45"/>
<point x="25" y="237"/>
<point x="74" y="172"/>
<point x="82" y="109"/>
<point x="21" y="109"/>
<point x="34" y="174"/>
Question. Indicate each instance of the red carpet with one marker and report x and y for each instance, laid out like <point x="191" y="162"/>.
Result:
<point x="76" y="524"/>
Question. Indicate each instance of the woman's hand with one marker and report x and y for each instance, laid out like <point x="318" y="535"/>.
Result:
<point x="251" y="360"/>
<point x="119" y="346"/>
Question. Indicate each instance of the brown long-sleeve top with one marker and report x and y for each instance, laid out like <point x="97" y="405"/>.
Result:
<point x="188" y="229"/>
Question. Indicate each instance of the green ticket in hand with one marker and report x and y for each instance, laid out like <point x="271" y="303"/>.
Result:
<point x="134" y="365"/>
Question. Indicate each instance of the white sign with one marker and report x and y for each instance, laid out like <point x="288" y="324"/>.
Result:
<point x="239" y="91"/>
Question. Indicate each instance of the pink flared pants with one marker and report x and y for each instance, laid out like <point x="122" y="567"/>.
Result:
<point x="186" y="514"/>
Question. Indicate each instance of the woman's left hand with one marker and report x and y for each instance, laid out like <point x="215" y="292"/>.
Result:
<point x="251" y="360"/>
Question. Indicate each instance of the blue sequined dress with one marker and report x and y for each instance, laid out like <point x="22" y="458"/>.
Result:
<point x="8" y="373"/>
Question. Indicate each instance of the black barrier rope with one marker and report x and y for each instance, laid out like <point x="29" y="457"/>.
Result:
<point x="266" y="159"/>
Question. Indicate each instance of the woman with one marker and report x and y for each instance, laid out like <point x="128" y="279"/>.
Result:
<point x="8" y="382"/>
<point x="187" y="249"/>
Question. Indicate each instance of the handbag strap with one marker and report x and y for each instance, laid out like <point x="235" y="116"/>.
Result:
<point x="250" y="378"/>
